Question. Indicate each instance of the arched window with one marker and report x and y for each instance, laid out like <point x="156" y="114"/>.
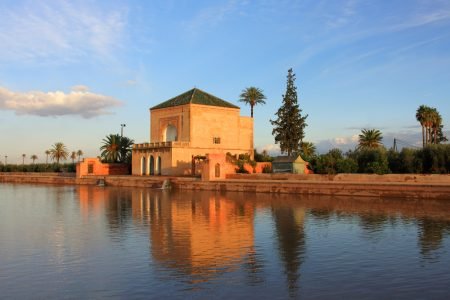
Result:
<point x="152" y="165"/>
<point x="170" y="134"/>
<point x="143" y="165"/>
<point x="158" y="163"/>
<point x="217" y="169"/>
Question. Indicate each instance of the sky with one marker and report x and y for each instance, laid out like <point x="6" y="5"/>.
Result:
<point x="73" y="71"/>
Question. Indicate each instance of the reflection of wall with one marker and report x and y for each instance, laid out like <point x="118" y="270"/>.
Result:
<point x="198" y="234"/>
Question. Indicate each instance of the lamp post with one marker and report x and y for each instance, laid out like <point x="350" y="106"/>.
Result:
<point x="121" y="129"/>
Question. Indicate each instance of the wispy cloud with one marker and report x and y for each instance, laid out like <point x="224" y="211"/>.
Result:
<point x="212" y="16"/>
<point x="58" y="31"/>
<point x="78" y="102"/>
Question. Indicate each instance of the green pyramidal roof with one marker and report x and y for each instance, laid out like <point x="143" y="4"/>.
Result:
<point x="195" y="96"/>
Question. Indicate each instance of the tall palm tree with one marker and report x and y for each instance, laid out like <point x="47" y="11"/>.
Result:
<point x="58" y="152"/>
<point x="73" y="156"/>
<point x="436" y="124"/>
<point x="47" y="152"/>
<point x="33" y="157"/>
<point x="23" y="159"/>
<point x="420" y="117"/>
<point x="307" y="149"/>
<point x="111" y="148"/>
<point x="428" y="117"/>
<point x="79" y="154"/>
<point x="370" y="138"/>
<point x="252" y="96"/>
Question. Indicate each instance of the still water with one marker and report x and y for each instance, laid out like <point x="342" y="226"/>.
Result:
<point x="90" y="242"/>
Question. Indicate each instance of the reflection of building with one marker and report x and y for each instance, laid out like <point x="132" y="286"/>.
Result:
<point x="194" y="123"/>
<point x="197" y="234"/>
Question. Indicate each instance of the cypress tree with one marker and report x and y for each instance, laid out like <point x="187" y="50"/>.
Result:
<point x="290" y="124"/>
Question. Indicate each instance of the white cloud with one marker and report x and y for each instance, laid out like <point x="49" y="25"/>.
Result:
<point x="272" y="149"/>
<point x="58" y="31"/>
<point x="79" y="102"/>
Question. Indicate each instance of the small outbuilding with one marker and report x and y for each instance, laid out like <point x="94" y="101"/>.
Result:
<point x="290" y="164"/>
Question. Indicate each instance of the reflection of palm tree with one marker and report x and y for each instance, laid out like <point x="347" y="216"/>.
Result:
<point x="431" y="234"/>
<point x="291" y="240"/>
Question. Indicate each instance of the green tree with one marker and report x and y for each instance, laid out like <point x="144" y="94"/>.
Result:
<point x="59" y="152"/>
<point x="116" y="148"/>
<point x="370" y="138"/>
<point x="290" y="124"/>
<point x="33" y="157"/>
<point x="79" y="154"/>
<point x="252" y="96"/>
<point x="23" y="159"/>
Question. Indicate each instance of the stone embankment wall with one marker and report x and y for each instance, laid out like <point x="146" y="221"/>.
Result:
<point x="414" y="186"/>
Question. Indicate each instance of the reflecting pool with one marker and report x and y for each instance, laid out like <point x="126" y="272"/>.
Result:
<point x="93" y="242"/>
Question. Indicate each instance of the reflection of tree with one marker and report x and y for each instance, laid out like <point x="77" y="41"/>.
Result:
<point x="291" y="242"/>
<point x="321" y="214"/>
<point x="431" y="234"/>
<point x="373" y="223"/>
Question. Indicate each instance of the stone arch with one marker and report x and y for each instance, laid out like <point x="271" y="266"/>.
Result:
<point x="143" y="165"/>
<point x="158" y="165"/>
<point x="152" y="165"/>
<point x="170" y="133"/>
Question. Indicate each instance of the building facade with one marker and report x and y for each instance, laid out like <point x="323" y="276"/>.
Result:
<point x="185" y="128"/>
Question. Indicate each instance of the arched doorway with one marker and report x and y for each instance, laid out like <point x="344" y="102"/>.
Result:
<point x="143" y="165"/>
<point x="158" y="163"/>
<point x="152" y="165"/>
<point x="217" y="170"/>
<point x="170" y="134"/>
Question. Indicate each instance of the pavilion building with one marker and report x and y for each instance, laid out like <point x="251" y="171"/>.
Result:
<point x="187" y="127"/>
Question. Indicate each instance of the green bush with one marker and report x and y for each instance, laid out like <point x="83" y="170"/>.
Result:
<point x="373" y="161"/>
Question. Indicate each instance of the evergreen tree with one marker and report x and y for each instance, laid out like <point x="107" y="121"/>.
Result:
<point x="290" y="124"/>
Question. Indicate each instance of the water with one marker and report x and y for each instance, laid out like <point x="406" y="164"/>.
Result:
<point x="60" y="242"/>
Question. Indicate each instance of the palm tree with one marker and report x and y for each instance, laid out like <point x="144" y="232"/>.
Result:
<point x="73" y="156"/>
<point x="252" y="96"/>
<point x="370" y="138"/>
<point x="428" y="116"/>
<point x="116" y="148"/>
<point x="23" y="159"/>
<point x="79" y="153"/>
<point x="58" y="152"/>
<point x="33" y="157"/>
<point x="420" y="117"/>
<point x="111" y="148"/>
<point x="126" y="145"/>
<point x="307" y="149"/>
<point x="436" y="124"/>
<point x="47" y="152"/>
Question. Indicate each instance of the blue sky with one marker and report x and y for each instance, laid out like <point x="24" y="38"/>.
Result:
<point x="73" y="71"/>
